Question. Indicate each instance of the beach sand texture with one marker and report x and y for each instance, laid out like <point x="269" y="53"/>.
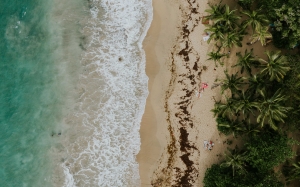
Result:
<point x="177" y="121"/>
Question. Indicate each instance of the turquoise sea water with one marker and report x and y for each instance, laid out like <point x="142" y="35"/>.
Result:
<point x="33" y="89"/>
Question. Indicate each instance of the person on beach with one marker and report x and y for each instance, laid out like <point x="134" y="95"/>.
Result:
<point x="211" y="145"/>
<point x="208" y="145"/>
<point x="203" y="86"/>
<point x="201" y="90"/>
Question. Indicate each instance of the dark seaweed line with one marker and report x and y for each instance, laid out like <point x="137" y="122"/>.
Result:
<point x="171" y="148"/>
<point x="187" y="177"/>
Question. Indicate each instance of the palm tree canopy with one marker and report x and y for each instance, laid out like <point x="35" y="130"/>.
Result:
<point x="244" y="104"/>
<point x="272" y="109"/>
<point x="275" y="67"/>
<point x="232" y="82"/>
<point x="232" y="38"/>
<point x="294" y="172"/>
<point x="216" y="57"/>
<point x="216" y="33"/>
<point x="246" y="61"/>
<point x="256" y="84"/>
<point x="215" y="11"/>
<point x="261" y="34"/>
<point x="255" y="19"/>
<point x="228" y="18"/>
<point x="228" y="126"/>
<point x="226" y="109"/>
<point x="235" y="160"/>
<point x="251" y="129"/>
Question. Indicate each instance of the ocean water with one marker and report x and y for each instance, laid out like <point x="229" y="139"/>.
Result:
<point x="73" y="91"/>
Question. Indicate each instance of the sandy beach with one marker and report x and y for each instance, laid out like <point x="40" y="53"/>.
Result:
<point x="178" y="118"/>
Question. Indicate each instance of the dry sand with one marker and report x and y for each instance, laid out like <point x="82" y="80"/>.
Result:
<point x="176" y="121"/>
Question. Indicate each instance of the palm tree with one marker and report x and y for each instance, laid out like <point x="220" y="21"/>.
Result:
<point x="232" y="38"/>
<point x="228" y="108"/>
<point x="215" y="11"/>
<point x="255" y="19"/>
<point x="217" y="110"/>
<point x="232" y="82"/>
<point x="261" y="34"/>
<point x="272" y="109"/>
<point x="241" y="31"/>
<point x="227" y="126"/>
<point x="256" y="84"/>
<point x="276" y="67"/>
<point x="245" y="4"/>
<point x="292" y="171"/>
<point x="228" y="19"/>
<point x="251" y="129"/>
<point x="216" y="57"/>
<point x="235" y="159"/>
<point x="246" y="61"/>
<point x="225" y="109"/>
<point x="244" y="104"/>
<point x="216" y="33"/>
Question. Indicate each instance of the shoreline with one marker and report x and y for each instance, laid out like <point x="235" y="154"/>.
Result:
<point x="157" y="45"/>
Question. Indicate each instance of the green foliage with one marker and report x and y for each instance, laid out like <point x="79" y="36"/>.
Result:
<point x="269" y="6"/>
<point x="227" y="126"/>
<point x="291" y="84"/>
<point x="291" y="81"/>
<point x="257" y="83"/>
<point x="288" y="23"/>
<point x="275" y="67"/>
<point x="232" y="82"/>
<point x="224" y="125"/>
<point x="286" y="18"/>
<point x="218" y="176"/>
<point x="268" y="150"/>
<point x="233" y="38"/>
<point x="291" y="171"/>
<point x="272" y="96"/>
<point x="225" y="29"/>
<point x="216" y="57"/>
<point x="251" y="129"/>
<point x="255" y="19"/>
<point x="226" y="109"/>
<point x="228" y="18"/>
<point x="253" y="166"/>
<point x="272" y="109"/>
<point x="245" y="104"/>
<point x="261" y="34"/>
<point x="235" y="159"/>
<point x="246" y="61"/>
<point x="278" y="41"/>
<point x="216" y="33"/>
<point x="215" y="11"/>
<point x="246" y="4"/>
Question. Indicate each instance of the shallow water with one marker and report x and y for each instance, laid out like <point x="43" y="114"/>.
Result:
<point x="36" y="77"/>
<point x="113" y="90"/>
<point x="73" y="90"/>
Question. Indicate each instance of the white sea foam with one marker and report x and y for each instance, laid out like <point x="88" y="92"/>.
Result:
<point x="104" y="139"/>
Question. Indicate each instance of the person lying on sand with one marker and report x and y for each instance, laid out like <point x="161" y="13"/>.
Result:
<point x="208" y="145"/>
<point x="198" y="93"/>
<point x="203" y="86"/>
